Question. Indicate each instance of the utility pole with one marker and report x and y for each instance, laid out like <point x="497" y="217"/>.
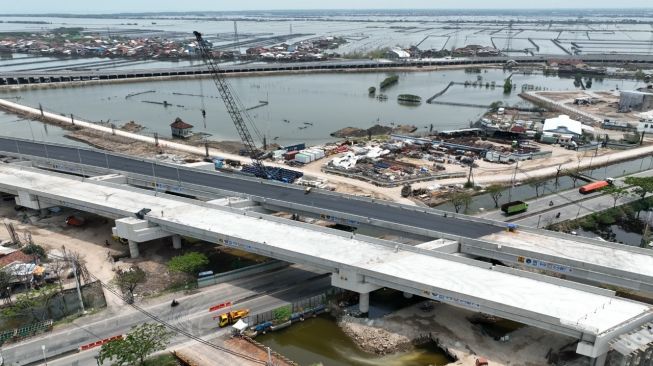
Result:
<point x="41" y="109"/>
<point x="72" y="119"/>
<point x="512" y="182"/>
<point x="470" y="176"/>
<point x="79" y="291"/>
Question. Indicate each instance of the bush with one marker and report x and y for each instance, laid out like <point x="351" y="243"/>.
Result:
<point x="588" y="223"/>
<point x="190" y="263"/>
<point x="606" y="219"/>
<point x="33" y="249"/>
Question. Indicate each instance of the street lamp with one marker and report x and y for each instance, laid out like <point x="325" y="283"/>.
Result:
<point x="45" y="360"/>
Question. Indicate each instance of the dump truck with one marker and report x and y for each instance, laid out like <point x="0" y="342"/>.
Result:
<point x="595" y="186"/>
<point x="231" y="317"/>
<point x="514" y="207"/>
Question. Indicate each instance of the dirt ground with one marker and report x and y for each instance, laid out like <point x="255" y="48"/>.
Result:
<point x="201" y="355"/>
<point x="90" y="240"/>
<point x="606" y="106"/>
<point x="527" y="346"/>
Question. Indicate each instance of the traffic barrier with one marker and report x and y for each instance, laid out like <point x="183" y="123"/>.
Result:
<point x="100" y="343"/>
<point x="220" y="306"/>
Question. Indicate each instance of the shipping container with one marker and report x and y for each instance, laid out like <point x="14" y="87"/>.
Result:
<point x="303" y="158"/>
<point x="296" y="147"/>
<point x="290" y="155"/>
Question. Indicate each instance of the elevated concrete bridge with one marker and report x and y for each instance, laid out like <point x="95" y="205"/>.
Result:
<point x="358" y="263"/>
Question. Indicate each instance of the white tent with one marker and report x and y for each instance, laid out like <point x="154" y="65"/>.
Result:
<point x="563" y="125"/>
<point x="240" y="326"/>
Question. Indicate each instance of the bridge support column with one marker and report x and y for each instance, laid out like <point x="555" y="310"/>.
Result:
<point x="353" y="281"/>
<point x="133" y="249"/>
<point x="176" y="242"/>
<point x="600" y="360"/>
<point x="364" y="302"/>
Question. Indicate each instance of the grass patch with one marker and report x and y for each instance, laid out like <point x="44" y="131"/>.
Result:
<point x="162" y="360"/>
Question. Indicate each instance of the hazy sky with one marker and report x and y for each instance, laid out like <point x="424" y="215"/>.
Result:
<point x="105" y="6"/>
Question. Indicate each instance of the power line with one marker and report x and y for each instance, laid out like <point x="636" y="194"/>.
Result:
<point x="172" y="327"/>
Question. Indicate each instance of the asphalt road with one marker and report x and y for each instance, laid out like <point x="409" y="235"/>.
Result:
<point x="332" y="202"/>
<point x="258" y="293"/>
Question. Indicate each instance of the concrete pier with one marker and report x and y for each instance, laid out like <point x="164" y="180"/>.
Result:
<point x="176" y="241"/>
<point x="133" y="249"/>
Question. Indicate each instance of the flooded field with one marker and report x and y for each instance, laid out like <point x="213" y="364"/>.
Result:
<point x="302" y="107"/>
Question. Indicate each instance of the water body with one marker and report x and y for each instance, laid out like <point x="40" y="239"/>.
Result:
<point x="306" y="343"/>
<point x="526" y="192"/>
<point x="302" y="107"/>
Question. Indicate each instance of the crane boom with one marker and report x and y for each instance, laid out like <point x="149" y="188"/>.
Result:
<point x="238" y="114"/>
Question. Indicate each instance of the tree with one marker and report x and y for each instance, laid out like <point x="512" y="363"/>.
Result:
<point x="537" y="184"/>
<point x="406" y="190"/>
<point x="507" y="86"/>
<point x="141" y="341"/>
<point x="644" y="185"/>
<point x="494" y="106"/>
<point x="616" y="193"/>
<point x="460" y="199"/>
<point x="6" y="280"/>
<point x="128" y="280"/>
<point x="190" y="263"/>
<point x="573" y="174"/>
<point x="495" y="191"/>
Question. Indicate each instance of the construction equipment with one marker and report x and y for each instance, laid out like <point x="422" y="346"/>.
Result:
<point x="231" y="317"/>
<point x="241" y="118"/>
<point x="236" y="111"/>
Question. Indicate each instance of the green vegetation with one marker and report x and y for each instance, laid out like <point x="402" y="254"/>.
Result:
<point x="31" y="302"/>
<point x="616" y="192"/>
<point x="639" y="74"/>
<point x="162" y="360"/>
<point x="282" y="314"/>
<point x="375" y="54"/>
<point x="410" y="98"/>
<point x="507" y="86"/>
<point x="494" y="106"/>
<point x="460" y="200"/>
<point x="643" y="185"/>
<point x="128" y="280"/>
<point x="34" y="249"/>
<point x="141" y="341"/>
<point x="190" y="263"/>
<point x="406" y="190"/>
<point x="371" y="90"/>
<point x="389" y="81"/>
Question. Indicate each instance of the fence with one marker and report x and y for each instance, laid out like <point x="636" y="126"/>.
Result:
<point x="295" y="307"/>
<point x="393" y="183"/>
<point x="27" y="331"/>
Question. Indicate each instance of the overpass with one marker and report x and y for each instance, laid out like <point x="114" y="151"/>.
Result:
<point x="363" y="264"/>
<point x="571" y="257"/>
<point x="40" y="77"/>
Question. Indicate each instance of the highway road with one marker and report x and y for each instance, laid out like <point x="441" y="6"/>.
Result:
<point x="258" y="293"/>
<point x="324" y="201"/>
<point x="570" y="204"/>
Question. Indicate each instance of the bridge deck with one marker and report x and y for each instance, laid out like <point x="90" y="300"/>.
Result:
<point x="517" y="296"/>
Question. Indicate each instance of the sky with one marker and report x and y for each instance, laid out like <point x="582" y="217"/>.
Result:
<point x="112" y="6"/>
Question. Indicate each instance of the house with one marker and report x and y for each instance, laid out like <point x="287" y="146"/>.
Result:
<point x="18" y="264"/>
<point x="181" y="129"/>
<point x="396" y="53"/>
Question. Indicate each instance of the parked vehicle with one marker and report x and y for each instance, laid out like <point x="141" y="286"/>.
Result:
<point x="232" y="317"/>
<point x="514" y="207"/>
<point x="595" y="186"/>
<point x="75" y="221"/>
<point x="481" y="362"/>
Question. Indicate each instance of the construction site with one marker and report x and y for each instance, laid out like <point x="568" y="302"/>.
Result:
<point x="257" y="252"/>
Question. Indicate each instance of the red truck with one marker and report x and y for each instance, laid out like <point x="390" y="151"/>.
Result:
<point x="595" y="186"/>
<point x="75" y="221"/>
